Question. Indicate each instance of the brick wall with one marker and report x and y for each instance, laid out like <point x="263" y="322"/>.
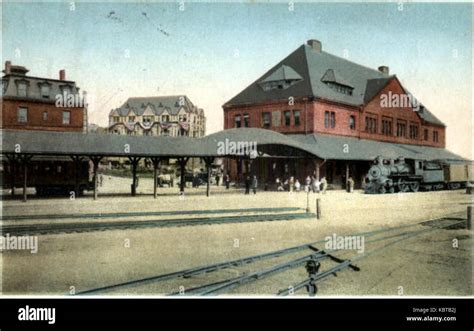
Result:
<point x="256" y="116"/>
<point x="312" y="119"/>
<point x="405" y="114"/>
<point x="35" y="121"/>
<point x="342" y="116"/>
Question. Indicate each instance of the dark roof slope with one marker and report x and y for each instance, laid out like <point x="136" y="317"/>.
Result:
<point x="254" y="93"/>
<point x="348" y="148"/>
<point x="374" y="86"/>
<point x="158" y="104"/>
<point x="66" y="143"/>
<point x="317" y="68"/>
<point x="312" y="145"/>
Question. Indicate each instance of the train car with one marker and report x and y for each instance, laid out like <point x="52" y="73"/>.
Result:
<point x="48" y="175"/>
<point x="402" y="175"/>
<point x="457" y="174"/>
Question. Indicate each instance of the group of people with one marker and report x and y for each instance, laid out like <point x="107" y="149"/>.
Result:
<point x="251" y="182"/>
<point x="291" y="184"/>
<point x="311" y="183"/>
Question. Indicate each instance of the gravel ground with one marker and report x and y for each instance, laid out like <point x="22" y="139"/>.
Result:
<point x="425" y="265"/>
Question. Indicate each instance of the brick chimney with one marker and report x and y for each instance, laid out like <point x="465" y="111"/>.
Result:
<point x="315" y="45"/>
<point x="62" y="74"/>
<point x="384" y="69"/>
<point x="8" y="65"/>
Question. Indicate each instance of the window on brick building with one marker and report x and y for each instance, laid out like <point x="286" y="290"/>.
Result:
<point x="165" y="118"/>
<point x="45" y="116"/>
<point x="435" y="136"/>
<point x="401" y="129"/>
<point x="21" y="89"/>
<point x="413" y="134"/>
<point x="66" y="90"/>
<point x="387" y="126"/>
<point x="329" y="119"/>
<point x="238" y="121"/>
<point x="66" y="117"/>
<point x="371" y="124"/>
<point x="266" y="119"/>
<point x="45" y="91"/>
<point x="287" y="115"/>
<point x="296" y="115"/>
<point x="352" y="122"/>
<point x="22" y="115"/>
<point x="4" y="85"/>
<point x="131" y="119"/>
<point x="426" y="134"/>
<point x="246" y="120"/>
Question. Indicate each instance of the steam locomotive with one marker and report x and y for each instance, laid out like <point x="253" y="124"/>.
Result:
<point x="400" y="175"/>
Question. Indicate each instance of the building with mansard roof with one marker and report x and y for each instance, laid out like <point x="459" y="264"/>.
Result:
<point x="41" y="103"/>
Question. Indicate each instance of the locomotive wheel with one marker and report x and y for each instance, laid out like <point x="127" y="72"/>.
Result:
<point x="402" y="186"/>
<point x="382" y="189"/>
<point x="415" y="186"/>
<point x="391" y="189"/>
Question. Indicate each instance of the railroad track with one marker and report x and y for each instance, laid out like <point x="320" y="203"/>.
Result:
<point x="52" y="228"/>
<point x="143" y="213"/>
<point x="311" y="256"/>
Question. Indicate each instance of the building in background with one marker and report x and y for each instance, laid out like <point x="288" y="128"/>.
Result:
<point x="166" y="115"/>
<point x="36" y="103"/>
<point x="317" y="97"/>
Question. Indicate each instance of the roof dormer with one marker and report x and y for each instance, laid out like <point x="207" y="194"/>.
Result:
<point x="282" y="78"/>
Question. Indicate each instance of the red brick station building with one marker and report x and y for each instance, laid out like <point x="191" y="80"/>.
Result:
<point x="339" y="108"/>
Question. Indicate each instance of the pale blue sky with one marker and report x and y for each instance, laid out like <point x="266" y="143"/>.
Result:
<point x="211" y="51"/>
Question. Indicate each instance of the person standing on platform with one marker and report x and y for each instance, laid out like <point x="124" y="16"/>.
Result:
<point x="297" y="185"/>
<point x="350" y="185"/>
<point x="307" y="183"/>
<point x="247" y="185"/>
<point x="254" y="184"/>
<point x="227" y="181"/>
<point x="291" y="184"/>
<point x="324" y="185"/>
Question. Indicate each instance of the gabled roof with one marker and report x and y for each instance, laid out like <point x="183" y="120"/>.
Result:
<point x="425" y="114"/>
<point x="429" y="117"/>
<point x="374" y="86"/>
<point x="317" y="68"/>
<point x="171" y="103"/>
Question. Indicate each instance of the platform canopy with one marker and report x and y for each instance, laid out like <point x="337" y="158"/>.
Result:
<point x="348" y="148"/>
<point x="231" y="142"/>
<point x="92" y="144"/>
